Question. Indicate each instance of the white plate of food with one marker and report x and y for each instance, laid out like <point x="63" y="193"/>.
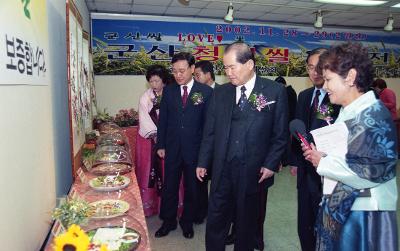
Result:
<point x="116" y="238"/>
<point x="109" y="183"/>
<point x="104" y="209"/>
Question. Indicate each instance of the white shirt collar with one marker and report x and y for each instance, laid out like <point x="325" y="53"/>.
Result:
<point x="321" y="96"/>
<point x="189" y="86"/>
<point x="249" y="88"/>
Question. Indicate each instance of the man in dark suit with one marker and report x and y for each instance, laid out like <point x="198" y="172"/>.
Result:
<point x="182" y="115"/>
<point x="245" y="136"/>
<point x="204" y="73"/>
<point x="309" y="188"/>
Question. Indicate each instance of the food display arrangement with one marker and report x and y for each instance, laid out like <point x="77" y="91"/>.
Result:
<point x="110" y="161"/>
<point x="110" y="210"/>
<point x="116" y="238"/>
<point x="103" y="209"/>
<point x="109" y="183"/>
<point x="109" y="127"/>
<point x="115" y="138"/>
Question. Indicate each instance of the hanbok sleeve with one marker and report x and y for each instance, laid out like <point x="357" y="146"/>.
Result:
<point x="146" y="124"/>
<point x="336" y="168"/>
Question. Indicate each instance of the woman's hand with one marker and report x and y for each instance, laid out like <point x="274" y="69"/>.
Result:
<point x="312" y="154"/>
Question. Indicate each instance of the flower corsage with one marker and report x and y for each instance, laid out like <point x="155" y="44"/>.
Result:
<point x="324" y="112"/>
<point x="259" y="101"/>
<point x="197" y="98"/>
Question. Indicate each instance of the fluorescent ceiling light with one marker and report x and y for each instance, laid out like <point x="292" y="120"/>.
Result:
<point x="396" y="5"/>
<point x="353" y="2"/>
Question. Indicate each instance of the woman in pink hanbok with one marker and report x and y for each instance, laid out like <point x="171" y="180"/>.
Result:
<point x="149" y="169"/>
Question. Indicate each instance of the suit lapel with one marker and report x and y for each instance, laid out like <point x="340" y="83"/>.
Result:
<point x="307" y="107"/>
<point x="178" y="97"/>
<point x="325" y="100"/>
<point x="227" y="106"/>
<point x="258" y="88"/>
<point x="189" y="101"/>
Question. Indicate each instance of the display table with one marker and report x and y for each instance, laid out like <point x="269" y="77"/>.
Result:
<point x="134" y="218"/>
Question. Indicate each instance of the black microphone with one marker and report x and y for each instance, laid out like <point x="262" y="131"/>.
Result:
<point x="298" y="130"/>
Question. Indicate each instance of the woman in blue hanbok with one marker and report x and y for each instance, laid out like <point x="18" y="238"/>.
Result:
<point x="359" y="212"/>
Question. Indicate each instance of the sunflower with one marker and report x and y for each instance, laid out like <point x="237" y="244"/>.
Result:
<point x="75" y="239"/>
<point x="103" y="247"/>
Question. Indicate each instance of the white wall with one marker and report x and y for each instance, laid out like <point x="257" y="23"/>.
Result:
<point x="120" y="92"/>
<point x="34" y="144"/>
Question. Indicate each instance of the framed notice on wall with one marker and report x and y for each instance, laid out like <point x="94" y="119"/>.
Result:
<point x="24" y="48"/>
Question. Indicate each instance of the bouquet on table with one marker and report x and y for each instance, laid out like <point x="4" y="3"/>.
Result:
<point x="127" y="117"/>
<point x="72" y="211"/>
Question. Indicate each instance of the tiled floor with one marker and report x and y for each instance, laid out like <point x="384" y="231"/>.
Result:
<point x="280" y="226"/>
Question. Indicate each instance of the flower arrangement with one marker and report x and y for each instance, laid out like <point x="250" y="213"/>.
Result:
<point x="324" y="112"/>
<point x="259" y="101"/>
<point x="101" y="117"/>
<point x="75" y="239"/>
<point x="197" y="98"/>
<point x="72" y="211"/>
<point x="126" y="117"/>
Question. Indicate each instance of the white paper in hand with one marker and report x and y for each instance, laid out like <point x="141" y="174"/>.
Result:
<point x="331" y="140"/>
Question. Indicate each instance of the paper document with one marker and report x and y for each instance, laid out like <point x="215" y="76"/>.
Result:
<point x="331" y="140"/>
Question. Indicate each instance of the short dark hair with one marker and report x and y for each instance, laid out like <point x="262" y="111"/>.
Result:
<point x="188" y="57"/>
<point x="316" y="51"/>
<point x="344" y="57"/>
<point x="281" y="80"/>
<point x="206" y="66"/>
<point x="160" y="71"/>
<point x="380" y="83"/>
<point x="243" y="52"/>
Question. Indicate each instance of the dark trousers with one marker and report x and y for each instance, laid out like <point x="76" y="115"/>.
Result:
<point x="201" y="210"/>
<point x="308" y="200"/>
<point x="230" y="194"/>
<point x="259" y="237"/>
<point x="262" y="204"/>
<point x="170" y="193"/>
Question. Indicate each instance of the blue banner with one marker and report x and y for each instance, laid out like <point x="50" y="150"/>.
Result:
<point x="127" y="45"/>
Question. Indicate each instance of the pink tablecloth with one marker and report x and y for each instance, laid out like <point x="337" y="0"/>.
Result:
<point x="134" y="218"/>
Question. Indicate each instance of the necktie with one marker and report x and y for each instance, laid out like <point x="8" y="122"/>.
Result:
<point x="184" y="96"/>
<point x="316" y="101"/>
<point x="243" y="98"/>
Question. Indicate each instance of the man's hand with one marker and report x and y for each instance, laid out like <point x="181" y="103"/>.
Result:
<point x="201" y="172"/>
<point x="293" y="170"/>
<point x="161" y="153"/>
<point x="265" y="174"/>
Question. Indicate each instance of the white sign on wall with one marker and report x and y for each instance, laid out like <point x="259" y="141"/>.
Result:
<point x="24" y="48"/>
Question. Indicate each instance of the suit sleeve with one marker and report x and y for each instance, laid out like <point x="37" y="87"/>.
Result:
<point x="279" y="134"/>
<point x="163" y="120"/>
<point x="296" y="154"/>
<point x="207" y="142"/>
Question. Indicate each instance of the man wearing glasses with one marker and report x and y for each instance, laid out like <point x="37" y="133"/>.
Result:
<point x="309" y="189"/>
<point x="182" y="114"/>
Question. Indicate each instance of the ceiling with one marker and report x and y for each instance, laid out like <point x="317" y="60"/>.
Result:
<point x="300" y="12"/>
